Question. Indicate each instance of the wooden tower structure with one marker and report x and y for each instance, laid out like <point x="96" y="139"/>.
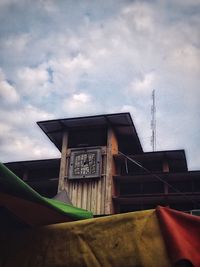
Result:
<point x="88" y="146"/>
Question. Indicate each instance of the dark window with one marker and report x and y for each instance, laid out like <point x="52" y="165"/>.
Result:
<point x="131" y="168"/>
<point x="85" y="138"/>
<point x="43" y="173"/>
<point x="153" y="187"/>
<point x="182" y="186"/>
<point x="130" y="189"/>
<point x="196" y="185"/>
<point x="154" y="166"/>
<point x="142" y="188"/>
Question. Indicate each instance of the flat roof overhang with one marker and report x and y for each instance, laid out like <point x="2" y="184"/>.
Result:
<point x="33" y="164"/>
<point x="176" y="158"/>
<point x="121" y="123"/>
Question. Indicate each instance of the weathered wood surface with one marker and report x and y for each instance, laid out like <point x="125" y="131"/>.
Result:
<point x="112" y="148"/>
<point x="165" y="165"/>
<point x="91" y="194"/>
<point x="63" y="163"/>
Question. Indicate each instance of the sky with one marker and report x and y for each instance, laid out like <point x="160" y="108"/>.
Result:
<point x="66" y="58"/>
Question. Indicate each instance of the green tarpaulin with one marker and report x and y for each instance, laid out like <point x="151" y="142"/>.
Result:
<point x="25" y="203"/>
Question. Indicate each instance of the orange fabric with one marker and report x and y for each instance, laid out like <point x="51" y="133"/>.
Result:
<point x="181" y="232"/>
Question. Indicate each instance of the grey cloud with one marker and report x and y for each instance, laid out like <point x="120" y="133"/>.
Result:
<point x="115" y="52"/>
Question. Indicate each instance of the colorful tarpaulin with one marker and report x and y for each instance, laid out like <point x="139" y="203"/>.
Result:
<point x="31" y="208"/>
<point x="181" y="233"/>
<point x="133" y="239"/>
<point x="153" y="238"/>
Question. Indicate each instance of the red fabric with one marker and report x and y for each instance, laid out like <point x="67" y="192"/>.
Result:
<point x="181" y="233"/>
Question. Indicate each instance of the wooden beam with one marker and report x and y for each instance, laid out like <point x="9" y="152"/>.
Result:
<point x="165" y="165"/>
<point x="112" y="148"/>
<point x="63" y="162"/>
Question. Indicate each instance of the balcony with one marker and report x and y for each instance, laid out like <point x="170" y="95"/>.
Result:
<point x="137" y="192"/>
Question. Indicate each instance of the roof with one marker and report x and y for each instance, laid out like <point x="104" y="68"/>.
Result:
<point x="176" y="158"/>
<point x="121" y="123"/>
<point x="33" y="164"/>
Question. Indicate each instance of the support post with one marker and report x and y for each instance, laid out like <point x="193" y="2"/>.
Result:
<point x="63" y="162"/>
<point x="165" y="165"/>
<point x="165" y="168"/>
<point x="112" y="148"/>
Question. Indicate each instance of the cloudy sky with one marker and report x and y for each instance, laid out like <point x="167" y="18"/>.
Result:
<point x="66" y="58"/>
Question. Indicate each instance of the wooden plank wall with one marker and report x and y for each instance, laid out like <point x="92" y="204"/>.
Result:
<point x="63" y="163"/>
<point x="112" y="148"/>
<point x="91" y="194"/>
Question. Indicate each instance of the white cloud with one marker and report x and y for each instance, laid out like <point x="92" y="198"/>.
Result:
<point x="24" y="117"/>
<point x="98" y="58"/>
<point x="5" y="128"/>
<point x="20" y="138"/>
<point x="25" y="147"/>
<point x="140" y="16"/>
<point x="79" y="104"/>
<point x="186" y="57"/>
<point x="68" y="72"/>
<point x="35" y="83"/>
<point x="81" y="98"/>
<point x="8" y="92"/>
<point x="144" y="85"/>
<point x="31" y="78"/>
<point x="186" y="3"/>
<point x="16" y="42"/>
<point x="48" y="5"/>
<point x="4" y="3"/>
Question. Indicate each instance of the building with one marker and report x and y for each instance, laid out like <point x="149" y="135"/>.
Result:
<point x="103" y="168"/>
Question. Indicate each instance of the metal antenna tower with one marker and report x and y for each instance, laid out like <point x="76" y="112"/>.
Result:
<point x="153" y="121"/>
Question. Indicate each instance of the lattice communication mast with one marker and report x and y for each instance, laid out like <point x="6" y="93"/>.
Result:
<point x="153" y="121"/>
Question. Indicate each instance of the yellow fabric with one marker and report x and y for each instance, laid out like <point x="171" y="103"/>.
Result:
<point x="132" y="239"/>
